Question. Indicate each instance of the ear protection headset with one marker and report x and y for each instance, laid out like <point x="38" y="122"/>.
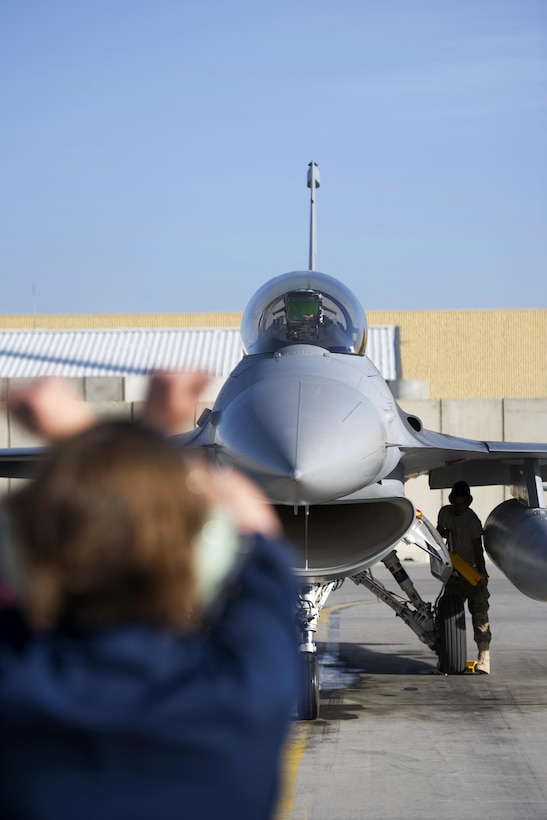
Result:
<point x="461" y="490"/>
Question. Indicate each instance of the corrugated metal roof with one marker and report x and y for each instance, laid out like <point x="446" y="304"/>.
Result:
<point x="119" y="352"/>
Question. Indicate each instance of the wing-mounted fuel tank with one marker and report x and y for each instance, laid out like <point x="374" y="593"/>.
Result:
<point x="515" y="538"/>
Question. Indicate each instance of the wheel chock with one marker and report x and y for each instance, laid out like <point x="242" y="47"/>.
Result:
<point x="470" y="667"/>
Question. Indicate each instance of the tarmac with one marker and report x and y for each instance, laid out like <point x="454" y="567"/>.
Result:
<point x="397" y="740"/>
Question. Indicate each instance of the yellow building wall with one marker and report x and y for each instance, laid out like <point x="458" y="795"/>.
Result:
<point x="461" y="354"/>
<point x="473" y="353"/>
<point x="101" y="321"/>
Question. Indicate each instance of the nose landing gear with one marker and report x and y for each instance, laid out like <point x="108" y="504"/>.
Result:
<point x="310" y="601"/>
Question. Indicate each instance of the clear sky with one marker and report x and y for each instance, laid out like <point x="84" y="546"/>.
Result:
<point x="154" y="152"/>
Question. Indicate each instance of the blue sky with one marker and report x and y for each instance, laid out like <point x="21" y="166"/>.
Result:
<point x="154" y="152"/>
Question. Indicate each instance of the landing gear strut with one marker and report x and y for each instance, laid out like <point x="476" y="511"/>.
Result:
<point x="415" y="612"/>
<point x="310" y="601"/>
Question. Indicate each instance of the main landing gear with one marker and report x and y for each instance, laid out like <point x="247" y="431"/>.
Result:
<point x="451" y="635"/>
<point x="441" y="626"/>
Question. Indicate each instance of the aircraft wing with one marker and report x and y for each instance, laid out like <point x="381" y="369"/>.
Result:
<point x="20" y="462"/>
<point x="448" y="459"/>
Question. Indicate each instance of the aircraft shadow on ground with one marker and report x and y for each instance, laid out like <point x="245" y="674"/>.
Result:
<point x="349" y="667"/>
<point x="353" y="660"/>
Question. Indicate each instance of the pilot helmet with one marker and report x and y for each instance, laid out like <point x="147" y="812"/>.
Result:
<point x="303" y="308"/>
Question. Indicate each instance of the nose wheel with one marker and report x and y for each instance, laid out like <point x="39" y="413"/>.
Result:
<point x="308" y="698"/>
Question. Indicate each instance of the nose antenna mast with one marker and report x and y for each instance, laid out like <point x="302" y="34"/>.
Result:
<point x="314" y="182"/>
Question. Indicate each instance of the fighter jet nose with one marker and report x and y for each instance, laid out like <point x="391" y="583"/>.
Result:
<point x="305" y="439"/>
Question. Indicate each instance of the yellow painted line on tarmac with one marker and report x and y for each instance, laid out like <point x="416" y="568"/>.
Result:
<point x="292" y="755"/>
<point x="298" y="739"/>
<point x="324" y="621"/>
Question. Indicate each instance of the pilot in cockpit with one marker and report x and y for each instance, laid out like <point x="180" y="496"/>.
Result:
<point x="304" y="315"/>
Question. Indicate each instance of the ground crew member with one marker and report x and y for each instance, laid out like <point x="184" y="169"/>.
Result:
<point x="463" y="530"/>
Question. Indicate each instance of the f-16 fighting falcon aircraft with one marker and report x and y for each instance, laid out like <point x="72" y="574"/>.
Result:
<point x="309" y="417"/>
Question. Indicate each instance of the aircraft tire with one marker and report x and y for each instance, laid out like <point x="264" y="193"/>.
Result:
<point x="452" y="639"/>
<point x="308" y="697"/>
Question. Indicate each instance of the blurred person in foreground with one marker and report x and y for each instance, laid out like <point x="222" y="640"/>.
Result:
<point x="148" y="654"/>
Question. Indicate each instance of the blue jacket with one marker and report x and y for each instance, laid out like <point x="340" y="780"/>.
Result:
<point x="135" y="722"/>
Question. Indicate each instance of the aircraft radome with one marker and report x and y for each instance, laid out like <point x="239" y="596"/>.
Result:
<point x="309" y="417"/>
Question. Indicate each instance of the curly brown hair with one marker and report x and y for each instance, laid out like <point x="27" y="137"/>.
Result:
<point x="105" y="531"/>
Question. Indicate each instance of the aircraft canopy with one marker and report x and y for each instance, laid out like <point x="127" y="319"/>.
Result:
<point x="304" y="307"/>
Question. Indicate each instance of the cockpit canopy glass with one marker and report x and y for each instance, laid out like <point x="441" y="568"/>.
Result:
<point x="304" y="307"/>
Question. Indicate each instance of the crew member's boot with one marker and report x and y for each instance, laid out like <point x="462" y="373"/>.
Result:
<point x="483" y="663"/>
